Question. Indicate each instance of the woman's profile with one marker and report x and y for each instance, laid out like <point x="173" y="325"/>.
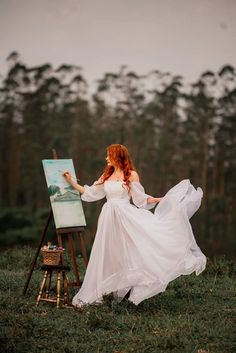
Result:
<point x="136" y="251"/>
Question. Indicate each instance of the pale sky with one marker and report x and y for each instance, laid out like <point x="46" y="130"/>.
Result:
<point x="183" y="37"/>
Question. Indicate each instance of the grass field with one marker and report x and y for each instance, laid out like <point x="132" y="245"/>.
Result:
<point x="194" y="314"/>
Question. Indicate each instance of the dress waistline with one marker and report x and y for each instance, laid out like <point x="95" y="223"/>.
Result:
<point x="118" y="200"/>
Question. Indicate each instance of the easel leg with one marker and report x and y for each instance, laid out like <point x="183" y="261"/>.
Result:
<point x="37" y="252"/>
<point x="82" y="249"/>
<point x="65" y="286"/>
<point x="68" y="234"/>
<point x="59" y="239"/>
<point x="73" y="257"/>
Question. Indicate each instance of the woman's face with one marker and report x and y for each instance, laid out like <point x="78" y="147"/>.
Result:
<point x="109" y="160"/>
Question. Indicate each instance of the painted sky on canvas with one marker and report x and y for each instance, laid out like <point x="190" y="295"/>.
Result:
<point x="183" y="37"/>
<point x="54" y="170"/>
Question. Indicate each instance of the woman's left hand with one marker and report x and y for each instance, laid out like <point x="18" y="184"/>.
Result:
<point x="154" y="199"/>
<point x="157" y="199"/>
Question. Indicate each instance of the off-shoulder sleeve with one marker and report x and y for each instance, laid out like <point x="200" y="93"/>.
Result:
<point x="139" y="196"/>
<point x="93" y="193"/>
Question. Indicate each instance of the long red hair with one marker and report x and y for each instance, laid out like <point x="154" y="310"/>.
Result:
<point x="119" y="155"/>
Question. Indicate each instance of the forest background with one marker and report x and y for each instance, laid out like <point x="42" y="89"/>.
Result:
<point x="173" y="130"/>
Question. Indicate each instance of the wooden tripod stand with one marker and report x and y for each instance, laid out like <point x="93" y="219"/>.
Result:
<point x="61" y="232"/>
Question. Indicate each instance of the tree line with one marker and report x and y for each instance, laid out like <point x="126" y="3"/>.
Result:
<point x="172" y="129"/>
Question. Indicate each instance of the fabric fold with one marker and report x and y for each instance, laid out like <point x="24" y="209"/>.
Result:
<point x="137" y="250"/>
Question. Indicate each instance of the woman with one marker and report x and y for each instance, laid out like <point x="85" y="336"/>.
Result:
<point x="135" y="250"/>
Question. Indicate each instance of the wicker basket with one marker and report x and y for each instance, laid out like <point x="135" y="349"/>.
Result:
<point x="51" y="257"/>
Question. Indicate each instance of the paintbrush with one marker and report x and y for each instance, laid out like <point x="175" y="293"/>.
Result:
<point x="63" y="172"/>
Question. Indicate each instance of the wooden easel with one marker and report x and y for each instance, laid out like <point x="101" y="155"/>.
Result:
<point x="68" y="232"/>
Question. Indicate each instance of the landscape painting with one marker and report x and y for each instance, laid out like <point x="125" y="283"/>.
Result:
<point x="65" y="200"/>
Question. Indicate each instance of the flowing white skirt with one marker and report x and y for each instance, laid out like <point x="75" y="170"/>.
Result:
<point x="139" y="251"/>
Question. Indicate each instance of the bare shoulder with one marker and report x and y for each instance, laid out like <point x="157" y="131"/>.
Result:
<point x="134" y="176"/>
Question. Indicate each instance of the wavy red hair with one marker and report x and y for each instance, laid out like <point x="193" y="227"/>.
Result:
<point x="119" y="155"/>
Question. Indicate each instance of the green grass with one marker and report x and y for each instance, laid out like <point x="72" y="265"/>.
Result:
<point x="194" y="314"/>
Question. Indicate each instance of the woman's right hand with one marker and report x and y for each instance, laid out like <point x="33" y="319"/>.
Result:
<point x="67" y="176"/>
<point x="72" y="181"/>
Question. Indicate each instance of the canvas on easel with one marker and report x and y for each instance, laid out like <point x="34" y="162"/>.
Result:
<point x="65" y="200"/>
<point x="66" y="207"/>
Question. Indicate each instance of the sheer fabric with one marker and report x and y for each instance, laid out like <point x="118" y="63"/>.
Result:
<point x="137" y="250"/>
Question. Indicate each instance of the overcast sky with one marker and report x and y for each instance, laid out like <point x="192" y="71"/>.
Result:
<point x="183" y="37"/>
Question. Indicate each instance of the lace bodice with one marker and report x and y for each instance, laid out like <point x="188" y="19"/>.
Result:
<point x="116" y="190"/>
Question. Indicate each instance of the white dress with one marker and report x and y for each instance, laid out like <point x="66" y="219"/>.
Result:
<point x="137" y="250"/>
